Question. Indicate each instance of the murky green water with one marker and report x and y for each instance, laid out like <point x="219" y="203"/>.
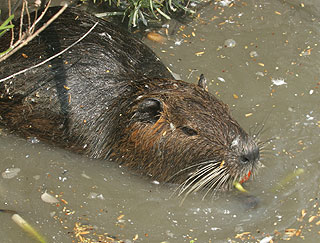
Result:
<point x="276" y="42"/>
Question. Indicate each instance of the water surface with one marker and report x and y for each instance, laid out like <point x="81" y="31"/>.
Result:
<point x="269" y="76"/>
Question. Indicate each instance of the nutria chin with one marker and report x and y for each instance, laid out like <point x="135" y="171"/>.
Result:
<point x="111" y="98"/>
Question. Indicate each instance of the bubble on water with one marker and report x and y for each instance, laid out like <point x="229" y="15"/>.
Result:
<point x="215" y="228"/>
<point x="101" y="197"/>
<point x="94" y="195"/>
<point x="230" y="43"/>
<point x="225" y="3"/>
<point x="10" y="173"/>
<point x="33" y="140"/>
<point x="253" y="54"/>
<point x="178" y="42"/>
<point x="278" y="81"/>
<point x="309" y="118"/>
<point x="47" y="198"/>
<point x="260" y="74"/>
<point x="266" y="239"/>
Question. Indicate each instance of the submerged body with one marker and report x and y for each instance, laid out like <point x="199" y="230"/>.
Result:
<point x="110" y="97"/>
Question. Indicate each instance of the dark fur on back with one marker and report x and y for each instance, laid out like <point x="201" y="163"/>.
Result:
<point x="87" y="77"/>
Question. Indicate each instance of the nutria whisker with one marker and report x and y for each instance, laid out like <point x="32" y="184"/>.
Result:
<point x="257" y="131"/>
<point x="221" y="183"/>
<point x="263" y="144"/>
<point x="199" y="179"/>
<point x="188" y="168"/>
<point x="194" y="177"/>
<point x="214" y="183"/>
<point x="265" y="151"/>
<point x="190" y="186"/>
<point x="215" y="180"/>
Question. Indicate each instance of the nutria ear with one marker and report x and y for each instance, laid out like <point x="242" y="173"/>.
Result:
<point x="149" y="110"/>
<point x="203" y="82"/>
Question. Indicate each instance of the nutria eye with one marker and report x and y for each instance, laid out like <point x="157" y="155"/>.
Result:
<point x="189" y="131"/>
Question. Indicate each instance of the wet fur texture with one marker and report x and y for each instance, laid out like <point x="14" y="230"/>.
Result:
<point x="110" y="97"/>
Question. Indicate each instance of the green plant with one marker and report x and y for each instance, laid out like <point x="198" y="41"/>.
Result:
<point x="5" y="26"/>
<point x="145" y="10"/>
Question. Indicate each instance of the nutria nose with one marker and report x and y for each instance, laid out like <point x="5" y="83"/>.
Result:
<point x="250" y="155"/>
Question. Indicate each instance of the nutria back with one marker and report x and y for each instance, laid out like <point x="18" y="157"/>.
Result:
<point x="111" y="98"/>
<point x="80" y="83"/>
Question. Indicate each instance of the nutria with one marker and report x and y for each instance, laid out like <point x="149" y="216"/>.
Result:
<point x="111" y="98"/>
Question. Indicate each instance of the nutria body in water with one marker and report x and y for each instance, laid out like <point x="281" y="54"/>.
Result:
<point x="111" y="98"/>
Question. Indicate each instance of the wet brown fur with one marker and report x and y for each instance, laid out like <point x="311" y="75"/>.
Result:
<point x="135" y="114"/>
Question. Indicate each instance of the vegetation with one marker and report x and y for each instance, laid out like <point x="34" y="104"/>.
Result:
<point x="29" y="32"/>
<point x="4" y="28"/>
<point x="133" y="11"/>
<point x="143" y="11"/>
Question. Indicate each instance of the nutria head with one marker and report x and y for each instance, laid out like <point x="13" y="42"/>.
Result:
<point x="178" y="132"/>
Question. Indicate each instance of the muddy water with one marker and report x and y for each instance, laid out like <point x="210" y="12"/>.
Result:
<point x="267" y="72"/>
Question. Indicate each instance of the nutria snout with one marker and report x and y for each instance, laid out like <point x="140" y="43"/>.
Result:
<point x="110" y="97"/>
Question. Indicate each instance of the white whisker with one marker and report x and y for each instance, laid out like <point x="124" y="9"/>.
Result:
<point x="197" y="174"/>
